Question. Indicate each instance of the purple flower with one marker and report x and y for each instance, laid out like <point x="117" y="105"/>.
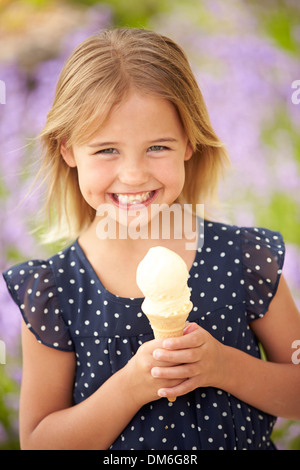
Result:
<point x="10" y="320"/>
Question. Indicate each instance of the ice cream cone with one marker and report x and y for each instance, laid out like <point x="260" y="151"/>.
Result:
<point x="162" y="277"/>
<point x="169" y="327"/>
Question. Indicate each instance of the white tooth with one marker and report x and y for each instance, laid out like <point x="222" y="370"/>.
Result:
<point x="133" y="198"/>
<point x="122" y="198"/>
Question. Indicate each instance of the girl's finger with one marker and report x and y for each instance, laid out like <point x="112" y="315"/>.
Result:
<point x="176" y="372"/>
<point x="178" y="356"/>
<point x="193" y="337"/>
<point x="184" y="387"/>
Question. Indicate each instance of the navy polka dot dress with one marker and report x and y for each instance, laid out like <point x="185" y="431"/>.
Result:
<point x="233" y="279"/>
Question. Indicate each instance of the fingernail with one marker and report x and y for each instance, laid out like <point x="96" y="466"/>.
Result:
<point x="157" y="354"/>
<point x="161" y="393"/>
<point x="155" y="372"/>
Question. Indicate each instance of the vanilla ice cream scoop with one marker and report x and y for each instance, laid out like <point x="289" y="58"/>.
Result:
<point x="161" y="273"/>
<point x="162" y="277"/>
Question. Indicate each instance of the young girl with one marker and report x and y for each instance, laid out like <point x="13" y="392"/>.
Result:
<point x="129" y="129"/>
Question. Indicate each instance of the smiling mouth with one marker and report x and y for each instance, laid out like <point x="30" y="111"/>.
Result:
<point x="133" y="199"/>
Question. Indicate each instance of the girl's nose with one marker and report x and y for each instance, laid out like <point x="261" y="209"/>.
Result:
<point x="133" y="173"/>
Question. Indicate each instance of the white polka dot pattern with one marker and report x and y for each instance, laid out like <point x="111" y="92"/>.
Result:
<point x="233" y="280"/>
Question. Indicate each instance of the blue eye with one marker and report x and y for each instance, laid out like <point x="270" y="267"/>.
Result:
<point x="157" y="148"/>
<point x="107" y="151"/>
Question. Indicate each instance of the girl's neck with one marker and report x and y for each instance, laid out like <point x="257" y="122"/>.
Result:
<point x="180" y="237"/>
<point x="115" y="260"/>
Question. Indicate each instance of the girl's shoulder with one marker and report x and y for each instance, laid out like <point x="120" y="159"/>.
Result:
<point x="254" y="254"/>
<point x="36" y="275"/>
<point x="34" y="287"/>
<point x="250" y="241"/>
<point x="260" y="235"/>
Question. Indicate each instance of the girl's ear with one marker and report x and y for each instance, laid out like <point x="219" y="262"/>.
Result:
<point x="189" y="152"/>
<point x="67" y="154"/>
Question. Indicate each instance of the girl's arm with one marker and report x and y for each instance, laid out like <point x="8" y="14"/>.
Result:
<point x="272" y="386"/>
<point x="47" y="418"/>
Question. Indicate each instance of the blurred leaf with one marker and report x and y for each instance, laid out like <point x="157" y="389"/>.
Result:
<point x="130" y="13"/>
<point x="13" y="255"/>
<point x="280" y="429"/>
<point x="37" y="3"/>
<point x="282" y="122"/>
<point x="283" y="214"/>
<point x="278" y="18"/>
<point x="8" y="388"/>
<point x="295" y="443"/>
<point x="279" y="25"/>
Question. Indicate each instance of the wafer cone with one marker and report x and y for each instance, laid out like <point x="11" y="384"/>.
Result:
<point x="169" y="327"/>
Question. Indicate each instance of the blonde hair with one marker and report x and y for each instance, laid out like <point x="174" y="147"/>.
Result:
<point x="97" y="76"/>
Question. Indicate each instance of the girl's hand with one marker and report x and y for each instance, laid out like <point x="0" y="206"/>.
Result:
<point x="142" y="385"/>
<point x="199" y="358"/>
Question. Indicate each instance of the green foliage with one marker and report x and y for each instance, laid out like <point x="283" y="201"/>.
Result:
<point x="278" y="19"/>
<point x="9" y="391"/>
<point x="279" y="26"/>
<point x="132" y="13"/>
<point x="282" y="214"/>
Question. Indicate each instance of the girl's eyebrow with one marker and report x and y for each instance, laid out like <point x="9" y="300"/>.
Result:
<point x="164" y="139"/>
<point x="105" y="144"/>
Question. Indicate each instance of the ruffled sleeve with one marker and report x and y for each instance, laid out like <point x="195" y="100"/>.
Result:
<point x="263" y="256"/>
<point x="32" y="287"/>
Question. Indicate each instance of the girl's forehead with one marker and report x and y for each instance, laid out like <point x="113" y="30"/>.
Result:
<point x="141" y="113"/>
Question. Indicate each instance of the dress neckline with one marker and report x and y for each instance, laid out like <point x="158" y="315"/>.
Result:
<point x="88" y="266"/>
<point x="128" y="300"/>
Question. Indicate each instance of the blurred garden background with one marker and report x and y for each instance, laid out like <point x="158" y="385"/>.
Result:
<point x="245" y="55"/>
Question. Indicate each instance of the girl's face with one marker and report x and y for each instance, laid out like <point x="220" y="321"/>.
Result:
<point x="137" y="157"/>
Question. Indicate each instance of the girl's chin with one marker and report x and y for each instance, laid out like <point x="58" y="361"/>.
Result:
<point x="124" y="224"/>
<point x="135" y="217"/>
<point x="133" y="221"/>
